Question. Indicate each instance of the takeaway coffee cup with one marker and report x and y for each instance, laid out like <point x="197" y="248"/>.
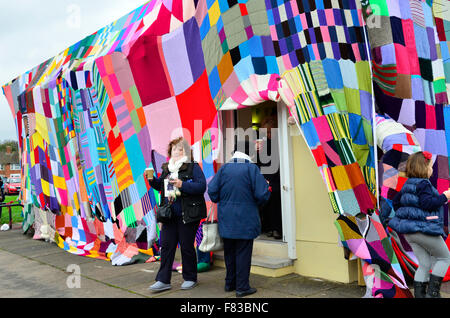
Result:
<point x="149" y="173"/>
<point x="259" y="143"/>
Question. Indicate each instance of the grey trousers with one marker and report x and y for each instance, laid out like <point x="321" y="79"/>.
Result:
<point x="428" y="249"/>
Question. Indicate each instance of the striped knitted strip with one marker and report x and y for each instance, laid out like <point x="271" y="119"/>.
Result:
<point x="108" y="192"/>
<point x="99" y="88"/>
<point x="300" y="90"/>
<point x="386" y="77"/>
<point x="129" y="217"/>
<point x="345" y="124"/>
<point x="134" y="194"/>
<point x="146" y="203"/>
<point x="306" y="77"/>
<point x="333" y="126"/>
<point x="417" y="12"/>
<point x="308" y="81"/>
<point x="125" y="197"/>
<point x="320" y="79"/>
<point x="335" y="203"/>
<point x="122" y="168"/>
<point x="339" y="125"/>
<point x="90" y="176"/>
<point x="304" y="102"/>
<point x="370" y="178"/>
<point x="344" y="150"/>
<point x="102" y="156"/>
<point x="206" y="145"/>
<point x="302" y="83"/>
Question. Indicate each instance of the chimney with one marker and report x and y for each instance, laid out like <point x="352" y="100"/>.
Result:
<point x="8" y="149"/>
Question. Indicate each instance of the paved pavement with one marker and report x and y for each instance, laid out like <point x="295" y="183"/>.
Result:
<point x="37" y="269"/>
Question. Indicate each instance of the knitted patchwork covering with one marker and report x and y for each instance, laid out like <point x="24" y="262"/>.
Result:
<point x="92" y="118"/>
<point x="411" y="88"/>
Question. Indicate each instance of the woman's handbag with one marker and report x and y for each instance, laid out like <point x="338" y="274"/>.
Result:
<point x="164" y="213"/>
<point x="211" y="241"/>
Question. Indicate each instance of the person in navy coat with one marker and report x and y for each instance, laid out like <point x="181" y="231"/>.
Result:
<point x="240" y="189"/>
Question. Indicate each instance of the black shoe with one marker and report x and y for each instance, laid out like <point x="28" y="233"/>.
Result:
<point x="229" y="289"/>
<point x="434" y="287"/>
<point x="420" y="289"/>
<point x="245" y="292"/>
<point x="276" y="235"/>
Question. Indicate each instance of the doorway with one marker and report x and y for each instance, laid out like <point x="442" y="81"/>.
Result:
<point x="260" y="123"/>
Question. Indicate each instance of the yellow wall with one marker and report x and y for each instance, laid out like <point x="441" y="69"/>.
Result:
<point x="318" y="253"/>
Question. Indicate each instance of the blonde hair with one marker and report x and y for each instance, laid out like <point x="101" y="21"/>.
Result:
<point x="417" y="166"/>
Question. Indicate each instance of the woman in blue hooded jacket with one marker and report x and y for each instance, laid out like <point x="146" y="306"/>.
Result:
<point x="239" y="188"/>
<point x="419" y="216"/>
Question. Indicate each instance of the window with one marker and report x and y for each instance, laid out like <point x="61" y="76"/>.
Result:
<point x="1" y="167"/>
<point x="15" y="166"/>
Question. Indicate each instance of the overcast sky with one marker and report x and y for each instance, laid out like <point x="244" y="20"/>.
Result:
<point x="32" y="31"/>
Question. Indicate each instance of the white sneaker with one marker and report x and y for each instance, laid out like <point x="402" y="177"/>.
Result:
<point x="188" y="285"/>
<point x="159" y="287"/>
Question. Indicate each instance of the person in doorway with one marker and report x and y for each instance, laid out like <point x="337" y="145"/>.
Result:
<point x="188" y="207"/>
<point x="419" y="216"/>
<point x="239" y="188"/>
<point x="271" y="212"/>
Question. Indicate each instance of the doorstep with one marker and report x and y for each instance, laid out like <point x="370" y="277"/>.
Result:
<point x="269" y="258"/>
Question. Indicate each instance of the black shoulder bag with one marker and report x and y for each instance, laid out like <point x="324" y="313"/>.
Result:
<point x="164" y="213"/>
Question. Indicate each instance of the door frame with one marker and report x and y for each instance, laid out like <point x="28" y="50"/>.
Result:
<point x="286" y="170"/>
<point x="287" y="180"/>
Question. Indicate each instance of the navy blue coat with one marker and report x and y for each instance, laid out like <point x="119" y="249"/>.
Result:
<point x="418" y="208"/>
<point x="239" y="188"/>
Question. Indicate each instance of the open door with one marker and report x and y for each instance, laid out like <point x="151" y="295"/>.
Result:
<point x="248" y="121"/>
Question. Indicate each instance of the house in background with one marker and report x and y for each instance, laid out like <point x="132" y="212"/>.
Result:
<point x="9" y="163"/>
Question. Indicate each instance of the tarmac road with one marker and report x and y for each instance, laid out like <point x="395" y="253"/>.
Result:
<point x="38" y="269"/>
